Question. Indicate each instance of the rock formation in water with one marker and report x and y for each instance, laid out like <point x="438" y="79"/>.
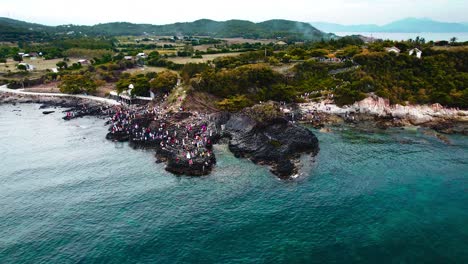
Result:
<point x="277" y="142"/>
<point x="184" y="140"/>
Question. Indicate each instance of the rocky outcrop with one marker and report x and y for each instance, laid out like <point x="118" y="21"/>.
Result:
<point x="182" y="140"/>
<point x="276" y="142"/>
<point x="382" y="114"/>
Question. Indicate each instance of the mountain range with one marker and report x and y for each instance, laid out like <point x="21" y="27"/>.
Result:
<point x="407" y="25"/>
<point x="13" y="30"/>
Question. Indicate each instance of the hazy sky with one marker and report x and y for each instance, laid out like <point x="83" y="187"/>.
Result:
<point x="52" y="12"/>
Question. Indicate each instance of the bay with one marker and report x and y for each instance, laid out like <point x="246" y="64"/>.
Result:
<point x="67" y="195"/>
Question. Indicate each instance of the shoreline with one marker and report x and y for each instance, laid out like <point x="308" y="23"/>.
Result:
<point x="183" y="140"/>
<point x="42" y="96"/>
<point x="378" y="112"/>
<point x="371" y="112"/>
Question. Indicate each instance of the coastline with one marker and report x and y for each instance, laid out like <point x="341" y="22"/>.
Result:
<point x="20" y="96"/>
<point x="372" y="109"/>
<point x="380" y="113"/>
<point x="183" y="140"/>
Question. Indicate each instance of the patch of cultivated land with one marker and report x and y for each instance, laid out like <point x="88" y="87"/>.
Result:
<point x="203" y="47"/>
<point x="243" y="40"/>
<point x="146" y="69"/>
<point x="40" y="64"/>
<point x="207" y="57"/>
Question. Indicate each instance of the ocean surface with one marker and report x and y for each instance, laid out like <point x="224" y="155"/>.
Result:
<point x="69" y="196"/>
<point x="461" y="36"/>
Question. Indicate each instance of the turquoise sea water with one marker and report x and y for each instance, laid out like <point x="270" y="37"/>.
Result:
<point x="69" y="196"/>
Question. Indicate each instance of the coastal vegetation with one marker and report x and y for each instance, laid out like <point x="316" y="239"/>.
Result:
<point x="77" y="83"/>
<point x="237" y="74"/>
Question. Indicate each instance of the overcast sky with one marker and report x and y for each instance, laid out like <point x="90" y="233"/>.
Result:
<point x="89" y="12"/>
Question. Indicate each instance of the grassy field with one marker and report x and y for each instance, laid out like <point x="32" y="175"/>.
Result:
<point x="204" y="47"/>
<point x="146" y="69"/>
<point x="39" y="64"/>
<point x="207" y="57"/>
<point x="162" y="51"/>
<point x="243" y="40"/>
<point x="450" y="48"/>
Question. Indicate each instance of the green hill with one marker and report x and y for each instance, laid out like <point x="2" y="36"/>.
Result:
<point x="15" y="30"/>
<point x="11" y="30"/>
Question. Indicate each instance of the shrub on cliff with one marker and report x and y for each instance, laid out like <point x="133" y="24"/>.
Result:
<point x="234" y="103"/>
<point x="264" y="112"/>
<point x="140" y="82"/>
<point x="77" y="83"/>
<point x="164" y="82"/>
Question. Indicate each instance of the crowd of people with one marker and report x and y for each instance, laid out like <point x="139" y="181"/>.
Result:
<point x="188" y="139"/>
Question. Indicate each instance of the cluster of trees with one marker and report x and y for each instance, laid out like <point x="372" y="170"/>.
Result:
<point x="154" y="59"/>
<point x="190" y="70"/>
<point x="61" y="47"/>
<point x="8" y="52"/>
<point x="160" y="83"/>
<point x="77" y="83"/>
<point x="244" y="85"/>
<point x="440" y="77"/>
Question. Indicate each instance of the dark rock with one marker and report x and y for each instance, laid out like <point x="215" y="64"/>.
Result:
<point x="276" y="142"/>
<point x="47" y="112"/>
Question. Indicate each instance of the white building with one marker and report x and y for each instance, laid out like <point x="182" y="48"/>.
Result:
<point x="417" y="52"/>
<point x="83" y="61"/>
<point x="393" y="49"/>
<point x="130" y="88"/>
<point x="29" y="67"/>
<point x="141" y="55"/>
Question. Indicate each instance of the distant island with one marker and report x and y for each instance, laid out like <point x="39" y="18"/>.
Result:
<point x="407" y="25"/>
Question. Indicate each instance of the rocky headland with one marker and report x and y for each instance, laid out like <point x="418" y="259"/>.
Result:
<point x="184" y="140"/>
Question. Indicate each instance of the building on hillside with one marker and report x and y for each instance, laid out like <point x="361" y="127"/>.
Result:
<point x="281" y="43"/>
<point x="83" y="61"/>
<point x="129" y="58"/>
<point x="393" y="49"/>
<point x="141" y="55"/>
<point x="130" y="88"/>
<point x="28" y="66"/>
<point x="416" y="52"/>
